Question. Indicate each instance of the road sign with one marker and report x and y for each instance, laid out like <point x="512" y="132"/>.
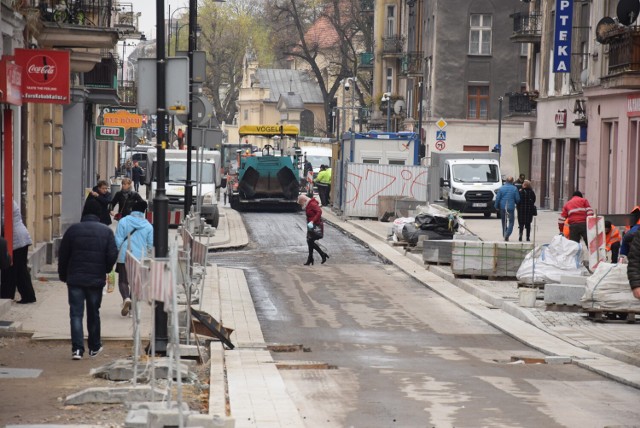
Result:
<point x="441" y="135"/>
<point x="110" y="133"/>
<point x="124" y="119"/>
<point x="441" y="123"/>
<point x="440" y="145"/>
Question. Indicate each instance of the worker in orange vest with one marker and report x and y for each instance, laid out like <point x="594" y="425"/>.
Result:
<point x="565" y="229"/>
<point x="613" y="240"/>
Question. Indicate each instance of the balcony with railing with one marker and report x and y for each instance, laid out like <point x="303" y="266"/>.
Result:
<point x="127" y="91"/>
<point x="527" y="27"/>
<point x="102" y="81"/>
<point x="104" y="75"/>
<point x="522" y="103"/>
<point x="623" y="71"/>
<point x="411" y="64"/>
<point x="74" y="23"/>
<point x="392" y="46"/>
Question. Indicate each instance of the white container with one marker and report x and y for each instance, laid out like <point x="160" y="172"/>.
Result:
<point x="527" y="297"/>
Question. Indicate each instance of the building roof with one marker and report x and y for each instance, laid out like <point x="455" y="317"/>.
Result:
<point x="291" y="101"/>
<point x="322" y="34"/>
<point x="283" y="81"/>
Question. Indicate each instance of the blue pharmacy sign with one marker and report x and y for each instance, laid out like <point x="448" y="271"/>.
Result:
<point x="562" y="36"/>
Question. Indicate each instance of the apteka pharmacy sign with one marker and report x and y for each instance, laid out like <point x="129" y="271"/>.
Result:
<point x="562" y="36"/>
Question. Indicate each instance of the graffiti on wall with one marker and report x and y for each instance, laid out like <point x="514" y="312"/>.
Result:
<point x="365" y="182"/>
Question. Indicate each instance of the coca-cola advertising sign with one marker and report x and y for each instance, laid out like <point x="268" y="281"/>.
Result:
<point x="45" y="75"/>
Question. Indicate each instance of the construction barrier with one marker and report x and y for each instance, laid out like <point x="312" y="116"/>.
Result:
<point x="174" y="217"/>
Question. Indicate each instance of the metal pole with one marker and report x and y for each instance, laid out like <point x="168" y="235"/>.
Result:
<point x="353" y="126"/>
<point x="499" y="129"/>
<point x="389" y="113"/>
<point x="169" y="38"/>
<point x="422" y="150"/>
<point x="160" y="201"/>
<point x="188" y="189"/>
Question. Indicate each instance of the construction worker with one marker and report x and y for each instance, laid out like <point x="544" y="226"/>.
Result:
<point x="613" y="240"/>
<point x="629" y="234"/>
<point x="576" y="210"/>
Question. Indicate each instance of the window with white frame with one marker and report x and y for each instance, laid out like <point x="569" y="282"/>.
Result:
<point x="389" y="85"/>
<point x="524" y="49"/>
<point x="391" y="20"/>
<point x="480" y="34"/>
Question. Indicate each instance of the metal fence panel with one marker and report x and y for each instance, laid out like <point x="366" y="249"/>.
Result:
<point x="365" y="182"/>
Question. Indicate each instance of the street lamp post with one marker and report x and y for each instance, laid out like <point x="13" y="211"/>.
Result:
<point x="124" y="46"/>
<point x="170" y="21"/>
<point x="387" y="97"/>
<point x="160" y="200"/>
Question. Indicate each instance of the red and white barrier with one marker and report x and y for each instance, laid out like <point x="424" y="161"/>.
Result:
<point x="596" y="238"/>
<point x="174" y="217"/>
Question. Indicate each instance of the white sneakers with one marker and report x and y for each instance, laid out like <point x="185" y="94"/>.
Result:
<point x="126" y="307"/>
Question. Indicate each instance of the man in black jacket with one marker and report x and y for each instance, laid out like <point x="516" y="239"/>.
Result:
<point x="101" y="194"/>
<point x="633" y="270"/>
<point x="87" y="254"/>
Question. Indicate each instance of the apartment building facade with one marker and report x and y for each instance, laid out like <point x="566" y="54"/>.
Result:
<point x="452" y="62"/>
<point x="585" y="136"/>
<point x="55" y="156"/>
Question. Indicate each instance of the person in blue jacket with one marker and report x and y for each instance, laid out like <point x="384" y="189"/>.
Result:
<point x="506" y="200"/>
<point x="87" y="254"/>
<point x="135" y="234"/>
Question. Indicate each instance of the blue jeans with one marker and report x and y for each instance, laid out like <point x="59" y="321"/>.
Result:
<point x="507" y="217"/>
<point x="77" y="298"/>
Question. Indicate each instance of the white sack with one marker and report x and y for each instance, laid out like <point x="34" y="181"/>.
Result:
<point x="547" y="263"/>
<point x="608" y="288"/>
<point x="398" y="225"/>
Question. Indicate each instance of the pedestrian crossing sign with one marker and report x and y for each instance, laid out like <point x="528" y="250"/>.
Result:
<point x="441" y="135"/>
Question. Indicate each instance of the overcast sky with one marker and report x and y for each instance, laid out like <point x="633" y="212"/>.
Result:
<point x="148" y="17"/>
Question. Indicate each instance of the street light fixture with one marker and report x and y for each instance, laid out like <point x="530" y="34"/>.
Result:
<point x="387" y="97"/>
<point x="198" y="33"/>
<point x="170" y="21"/>
<point x="124" y="46"/>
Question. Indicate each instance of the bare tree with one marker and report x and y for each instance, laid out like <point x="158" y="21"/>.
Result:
<point x="323" y="34"/>
<point x="227" y="30"/>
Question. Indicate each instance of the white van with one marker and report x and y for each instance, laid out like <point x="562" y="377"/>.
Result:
<point x="317" y="156"/>
<point x="204" y="175"/>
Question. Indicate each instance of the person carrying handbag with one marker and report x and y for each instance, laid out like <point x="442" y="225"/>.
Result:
<point x="526" y="209"/>
<point x="315" y="227"/>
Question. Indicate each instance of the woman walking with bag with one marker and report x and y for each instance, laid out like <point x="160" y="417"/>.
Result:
<point x="526" y="209"/>
<point x="315" y="227"/>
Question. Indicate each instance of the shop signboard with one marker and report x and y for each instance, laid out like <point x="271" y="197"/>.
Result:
<point x="109" y="133"/>
<point x="45" y="77"/>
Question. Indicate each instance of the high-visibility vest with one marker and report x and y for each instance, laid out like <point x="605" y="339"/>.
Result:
<point x="612" y="237"/>
<point x="565" y="229"/>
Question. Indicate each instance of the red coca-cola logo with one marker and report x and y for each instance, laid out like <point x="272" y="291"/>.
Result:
<point x="42" y="69"/>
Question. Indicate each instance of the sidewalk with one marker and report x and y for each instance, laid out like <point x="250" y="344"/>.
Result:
<point x="610" y="349"/>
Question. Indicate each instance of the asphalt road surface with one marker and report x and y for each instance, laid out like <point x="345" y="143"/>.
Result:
<point x="400" y="355"/>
